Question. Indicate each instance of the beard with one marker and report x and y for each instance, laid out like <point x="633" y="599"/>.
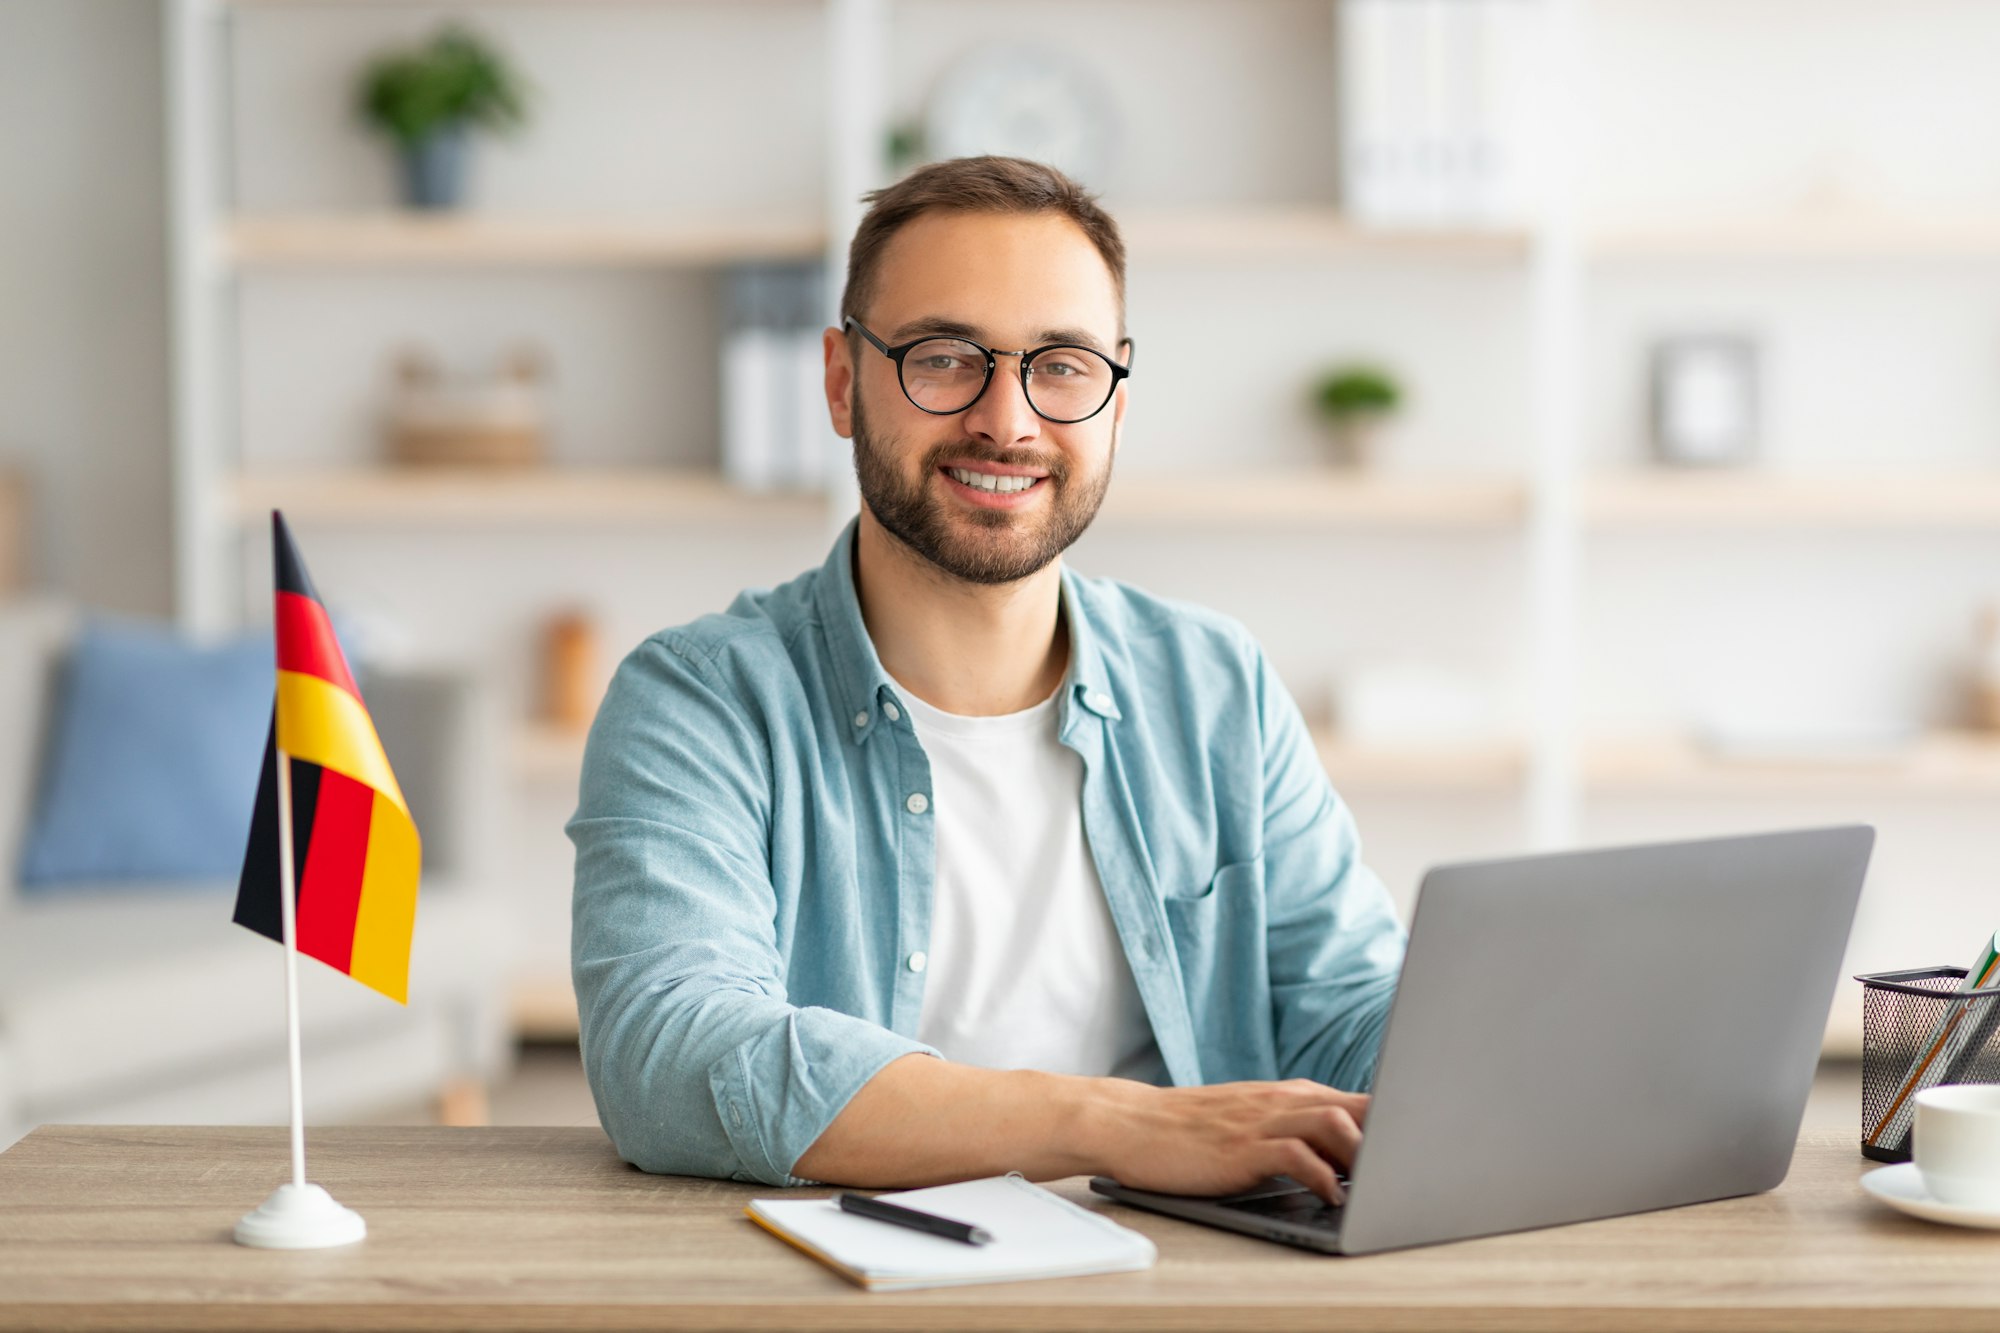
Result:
<point x="987" y="546"/>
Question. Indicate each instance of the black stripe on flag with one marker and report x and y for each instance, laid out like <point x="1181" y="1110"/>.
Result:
<point x="258" y="905"/>
<point x="291" y="568"/>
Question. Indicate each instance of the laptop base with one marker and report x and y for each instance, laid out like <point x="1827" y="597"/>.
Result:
<point x="1267" y="1215"/>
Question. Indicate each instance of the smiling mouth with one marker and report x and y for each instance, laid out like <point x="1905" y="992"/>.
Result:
<point x="991" y="483"/>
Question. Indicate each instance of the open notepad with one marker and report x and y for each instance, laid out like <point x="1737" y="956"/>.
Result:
<point x="1035" y="1234"/>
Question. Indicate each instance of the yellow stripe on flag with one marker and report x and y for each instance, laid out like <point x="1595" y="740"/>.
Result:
<point x="325" y="725"/>
<point x="387" y="915"/>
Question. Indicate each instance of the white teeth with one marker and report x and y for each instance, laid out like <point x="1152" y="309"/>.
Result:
<point x="986" y="481"/>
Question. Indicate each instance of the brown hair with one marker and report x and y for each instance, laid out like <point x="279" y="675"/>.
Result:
<point x="976" y="185"/>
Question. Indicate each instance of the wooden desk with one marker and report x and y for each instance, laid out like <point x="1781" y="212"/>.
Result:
<point x="546" y="1228"/>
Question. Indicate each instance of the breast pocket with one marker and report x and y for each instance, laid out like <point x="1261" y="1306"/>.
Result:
<point x="1218" y="933"/>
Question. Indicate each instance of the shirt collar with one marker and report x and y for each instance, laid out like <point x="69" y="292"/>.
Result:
<point x="858" y="682"/>
<point x="1088" y="684"/>
<point x="860" y="685"/>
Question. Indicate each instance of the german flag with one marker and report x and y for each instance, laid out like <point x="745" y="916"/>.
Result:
<point x="354" y="847"/>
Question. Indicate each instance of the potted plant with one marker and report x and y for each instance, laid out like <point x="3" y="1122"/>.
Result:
<point x="1354" y="401"/>
<point x="430" y="98"/>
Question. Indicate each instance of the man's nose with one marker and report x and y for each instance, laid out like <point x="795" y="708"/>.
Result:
<point x="1002" y="415"/>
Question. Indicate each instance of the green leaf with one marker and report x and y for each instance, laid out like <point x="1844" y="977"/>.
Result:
<point x="457" y="77"/>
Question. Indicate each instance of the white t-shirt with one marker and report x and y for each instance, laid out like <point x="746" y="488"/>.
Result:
<point x="1025" y="967"/>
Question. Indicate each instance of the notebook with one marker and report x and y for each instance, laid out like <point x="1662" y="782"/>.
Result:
<point x="1036" y="1234"/>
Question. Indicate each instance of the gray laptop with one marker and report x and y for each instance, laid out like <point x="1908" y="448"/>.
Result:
<point x="1581" y="1035"/>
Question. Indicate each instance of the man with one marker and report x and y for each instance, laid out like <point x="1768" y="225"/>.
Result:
<point x="941" y="860"/>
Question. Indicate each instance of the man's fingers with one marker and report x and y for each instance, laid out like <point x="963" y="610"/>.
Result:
<point x="1319" y="1094"/>
<point x="1328" y="1130"/>
<point x="1300" y="1161"/>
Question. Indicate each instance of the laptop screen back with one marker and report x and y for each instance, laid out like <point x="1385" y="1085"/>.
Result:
<point x="1586" y="1034"/>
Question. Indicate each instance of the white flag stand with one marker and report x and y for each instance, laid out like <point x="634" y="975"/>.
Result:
<point x="297" y="1216"/>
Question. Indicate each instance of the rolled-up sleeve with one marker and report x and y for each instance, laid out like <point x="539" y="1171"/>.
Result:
<point x="1335" y="946"/>
<point x="698" y="1062"/>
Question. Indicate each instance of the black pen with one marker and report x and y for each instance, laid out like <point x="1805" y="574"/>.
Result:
<point x="911" y="1218"/>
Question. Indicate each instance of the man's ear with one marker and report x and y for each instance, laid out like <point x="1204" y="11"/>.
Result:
<point x="839" y="382"/>
<point x="1118" y="404"/>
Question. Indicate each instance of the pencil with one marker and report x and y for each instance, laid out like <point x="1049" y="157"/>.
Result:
<point x="1982" y="972"/>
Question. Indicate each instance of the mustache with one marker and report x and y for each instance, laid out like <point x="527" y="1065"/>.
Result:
<point x="1053" y="465"/>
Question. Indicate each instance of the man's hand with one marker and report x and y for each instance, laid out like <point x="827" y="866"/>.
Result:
<point x="1224" y="1138"/>
<point x="923" y="1121"/>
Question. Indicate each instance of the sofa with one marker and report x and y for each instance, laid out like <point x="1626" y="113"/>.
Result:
<point x="143" y="1003"/>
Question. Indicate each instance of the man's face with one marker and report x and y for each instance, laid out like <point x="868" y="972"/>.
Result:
<point x="1011" y="283"/>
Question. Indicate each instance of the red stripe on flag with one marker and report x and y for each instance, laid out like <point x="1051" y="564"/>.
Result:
<point x="306" y="643"/>
<point x="330" y="891"/>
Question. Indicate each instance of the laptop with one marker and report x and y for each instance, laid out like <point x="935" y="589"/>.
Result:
<point x="1581" y="1035"/>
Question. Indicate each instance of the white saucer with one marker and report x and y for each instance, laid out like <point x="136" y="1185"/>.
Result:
<point x="1902" y="1188"/>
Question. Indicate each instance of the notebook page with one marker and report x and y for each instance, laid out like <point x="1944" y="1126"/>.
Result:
<point x="1035" y="1234"/>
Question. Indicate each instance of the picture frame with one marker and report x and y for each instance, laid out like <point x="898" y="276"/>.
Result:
<point x="1704" y="399"/>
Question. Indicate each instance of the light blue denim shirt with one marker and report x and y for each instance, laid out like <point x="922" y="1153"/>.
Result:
<point x="755" y="857"/>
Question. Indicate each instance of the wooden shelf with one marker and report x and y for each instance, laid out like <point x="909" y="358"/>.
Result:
<point x="544" y="1009"/>
<point x="1257" y="233"/>
<point x="576" y="494"/>
<point x="1344" y="499"/>
<point x="1942" y="762"/>
<point x="543" y="753"/>
<point x="552" y="495"/>
<point x="502" y="239"/>
<point x="432" y="4"/>
<point x="1805" y="238"/>
<point x="1468" y="768"/>
<point x="1733" y="499"/>
<point x="396" y="237"/>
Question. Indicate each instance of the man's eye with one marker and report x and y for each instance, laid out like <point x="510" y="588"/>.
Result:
<point x="941" y="362"/>
<point x="1061" y="367"/>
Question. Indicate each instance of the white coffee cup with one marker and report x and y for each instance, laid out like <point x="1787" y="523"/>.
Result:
<point x="1958" y="1143"/>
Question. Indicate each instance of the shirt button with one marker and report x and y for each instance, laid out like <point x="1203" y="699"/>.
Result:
<point x="919" y="961"/>
<point x="861" y="719"/>
<point x="1098" y="701"/>
<point x="890" y="711"/>
<point x="918" y="803"/>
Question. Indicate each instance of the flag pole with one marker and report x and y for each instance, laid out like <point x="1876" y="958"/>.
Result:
<point x="288" y="896"/>
<point x="297" y="1216"/>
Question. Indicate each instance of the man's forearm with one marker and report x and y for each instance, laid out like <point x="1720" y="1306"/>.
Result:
<point x="924" y="1121"/>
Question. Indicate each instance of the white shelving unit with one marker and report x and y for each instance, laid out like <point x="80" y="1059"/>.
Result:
<point x="13" y="532"/>
<point x="1542" y="510"/>
<point x="219" y="250"/>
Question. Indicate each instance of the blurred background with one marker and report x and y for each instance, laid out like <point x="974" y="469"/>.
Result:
<point x="1592" y="405"/>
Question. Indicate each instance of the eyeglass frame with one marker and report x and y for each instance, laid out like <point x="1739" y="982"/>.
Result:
<point x="1119" y="373"/>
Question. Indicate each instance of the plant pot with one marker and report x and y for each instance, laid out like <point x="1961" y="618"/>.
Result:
<point x="1355" y="438"/>
<point x="434" y="167"/>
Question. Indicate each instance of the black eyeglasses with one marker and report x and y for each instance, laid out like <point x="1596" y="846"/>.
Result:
<point x="1064" y="382"/>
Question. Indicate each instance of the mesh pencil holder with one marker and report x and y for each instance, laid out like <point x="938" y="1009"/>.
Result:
<point x="1918" y="1030"/>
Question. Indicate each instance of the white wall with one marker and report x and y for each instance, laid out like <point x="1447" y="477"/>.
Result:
<point x="1717" y="109"/>
<point x="83" y="320"/>
<point x="1700" y="110"/>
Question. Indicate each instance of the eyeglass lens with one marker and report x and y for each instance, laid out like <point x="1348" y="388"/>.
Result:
<point x="945" y="375"/>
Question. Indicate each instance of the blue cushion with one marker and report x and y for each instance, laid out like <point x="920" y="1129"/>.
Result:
<point x="152" y="764"/>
